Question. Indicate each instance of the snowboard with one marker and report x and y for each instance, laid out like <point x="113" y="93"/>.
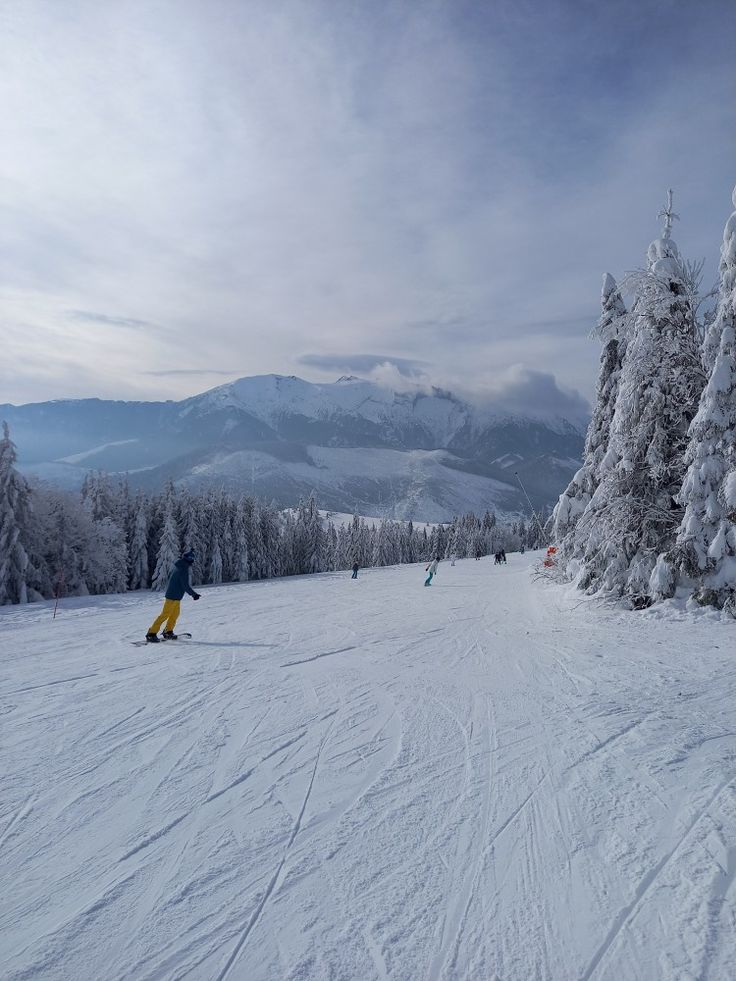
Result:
<point x="162" y="640"/>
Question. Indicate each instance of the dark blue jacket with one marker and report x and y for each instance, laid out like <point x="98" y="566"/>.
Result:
<point x="179" y="582"/>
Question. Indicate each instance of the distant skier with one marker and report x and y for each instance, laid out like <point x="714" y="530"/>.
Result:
<point x="503" y="556"/>
<point x="452" y="560"/>
<point x="355" y="570"/>
<point x="432" y="570"/>
<point x="178" y="585"/>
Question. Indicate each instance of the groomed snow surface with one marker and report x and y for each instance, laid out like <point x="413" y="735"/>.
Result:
<point x="337" y="779"/>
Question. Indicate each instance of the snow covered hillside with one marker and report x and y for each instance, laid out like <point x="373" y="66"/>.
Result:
<point x="368" y="779"/>
<point x="363" y="448"/>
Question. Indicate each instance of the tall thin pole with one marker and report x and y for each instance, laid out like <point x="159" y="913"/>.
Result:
<point x="531" y="506"/>
<point x="59" y="584"/>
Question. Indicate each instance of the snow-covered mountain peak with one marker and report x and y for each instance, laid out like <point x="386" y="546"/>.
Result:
<point x="425" y="454"/>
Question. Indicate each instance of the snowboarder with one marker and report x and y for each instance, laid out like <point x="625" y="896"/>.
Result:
<point x="355" y="570"/>
<point x="503" y="555"/>
<point x="432" y="570"/>
<point x="178" y="585"/>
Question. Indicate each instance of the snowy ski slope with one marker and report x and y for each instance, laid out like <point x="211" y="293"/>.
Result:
<point x="487" y="779"/>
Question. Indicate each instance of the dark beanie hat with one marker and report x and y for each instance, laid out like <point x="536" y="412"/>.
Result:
<point x="189" y="556"/>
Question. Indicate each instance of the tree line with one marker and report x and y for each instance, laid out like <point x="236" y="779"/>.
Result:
<point x="653" y="507"/>
<point x="108" y="539"/>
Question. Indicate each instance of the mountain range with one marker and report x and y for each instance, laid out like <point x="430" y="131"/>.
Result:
<point x="424" y="455"/>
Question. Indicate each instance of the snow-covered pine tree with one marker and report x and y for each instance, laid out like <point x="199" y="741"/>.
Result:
<point x="98" y="496"/>
<point x="707" y="536"/>
<point x="385" y="548"/>
<point x="240" y="565"/>
<point x="273" y="540"/>
<point x="332" y="546"/>
<point x="451" y="549"/>
<point x="15" y="517"/>
<point x="191" y="521"/>
<point x="255" y="542"/>
<point x="124" y="509"/>
<point x="313" y="536"/>
<point x="288" y="565"/>
<point x="227" y="538"/>
<point x="215" y="571"/>
<point x="169" y="549"/>
<point x="138" y="549"/>
<point x="215" y="529"/>
<point x="407" y="546"/>
<point x="105" y="556"/>
<point x="434" y="542"/>
<point x="611" y="331"/>
<point x="70" y="542"/>
<point x="344" y="552"/>
<point x="634" y="512"/>
<point x="715" y="321"/>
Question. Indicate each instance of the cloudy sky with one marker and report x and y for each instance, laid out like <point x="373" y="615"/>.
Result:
<point x="197" y="190"/>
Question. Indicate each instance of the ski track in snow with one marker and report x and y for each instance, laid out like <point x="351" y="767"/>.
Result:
<point x="368" y="780"/>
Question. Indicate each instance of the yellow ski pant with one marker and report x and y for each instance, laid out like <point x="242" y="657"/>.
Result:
<point x="170" y="614"/>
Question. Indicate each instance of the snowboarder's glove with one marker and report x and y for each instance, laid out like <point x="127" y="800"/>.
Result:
<point x="195" y="596"/>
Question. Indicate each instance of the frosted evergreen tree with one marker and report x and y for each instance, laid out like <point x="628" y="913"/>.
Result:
<point x="214" y="530"/>
<point x="344" y="550"/>
<point x="215" y="571"/>
<point x="573" y="501"/>
<point x="523" y="534"/>
<point x="255" y="543"/>
<point x="724" y="315"/>
<point x="191" y="535"/>
<point x="271" y="535"/>
<point x="355" y="539"/>
<point x="385" y="551"/>
<point x="634" y="509"/>
<point x="98" y="496"/>
<point x="241" y="568"/>
<point x="138" y="552"/>
<point x="331" y="549"/>
<point x="367" y="539"/>
<point x="461" y="540"/>
<point x="169" y="549"/>
<point x="227" y="513"/>
<point x="313" y="535"/>
<point x="15" y="514"/>
<point x="489" y="521"/>
<point x="288" y="565"/>
<point x="451" y="549"/>
<point x="707" y="535"/>
<point x="106" y="554"/>
<point x="69" y="544"/>
<point x="124" y="509"/>
<point x="408" y="552"/>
